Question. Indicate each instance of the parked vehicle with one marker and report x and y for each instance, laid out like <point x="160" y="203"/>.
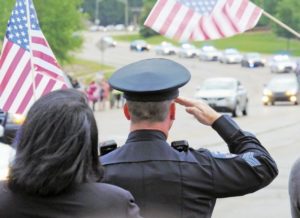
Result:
<point x="224" y="94"/>
<point x="165" y="48"/>
<point x="10" y="124"/>
<point x="282" y="64"/>
<point x="209" y="53"/>
<point x="188" y="50"/>
<point x="252" y="60"/>
<point x="231" y="56"/>
<point x="282" y="88"/>
<point x="139" y="45"/>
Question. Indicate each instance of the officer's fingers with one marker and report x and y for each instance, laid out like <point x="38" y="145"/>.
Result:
<point x="185" y="101"/>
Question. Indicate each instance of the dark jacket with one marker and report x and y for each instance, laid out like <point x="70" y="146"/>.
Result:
<point x="294" y="189"/>
<point x="89" y="200"/>
<point x="167" y="183"/>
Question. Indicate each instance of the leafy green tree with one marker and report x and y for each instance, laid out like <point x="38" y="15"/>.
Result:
<point x="269" y="6"/>
<point x="288" y="12"/>
<point x="59" y="21"/>
<point x="145" y="31"/>
<point x="111" y="12"/>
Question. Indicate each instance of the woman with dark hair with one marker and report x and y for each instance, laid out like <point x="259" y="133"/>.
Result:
<point x="56" y="171"/>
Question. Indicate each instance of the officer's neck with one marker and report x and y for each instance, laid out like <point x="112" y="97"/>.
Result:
<point x="160" y="126"/>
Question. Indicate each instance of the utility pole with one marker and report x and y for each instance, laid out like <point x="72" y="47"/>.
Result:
<point x="97" y="12"/>
<point x="126" y="12"/>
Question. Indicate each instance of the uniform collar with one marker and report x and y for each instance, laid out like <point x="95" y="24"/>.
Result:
<point x="146" y="135"/>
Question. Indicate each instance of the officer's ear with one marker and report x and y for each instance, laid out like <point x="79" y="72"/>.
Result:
<point x="172" y="110"/>
<point x="126" y="111"/>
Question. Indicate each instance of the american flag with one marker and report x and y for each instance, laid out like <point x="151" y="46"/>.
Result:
<point x="198" y="20"/>
<point x="28" y="68"/>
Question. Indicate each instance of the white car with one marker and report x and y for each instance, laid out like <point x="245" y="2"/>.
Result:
<point x="108" y="41"/>
<point x="282" y="64"/>
<point x="165" y="48"/>
<point x="188" y="50"/>
<point x="209" y="53"/>
<point x="231" y="56"/>
<point x="224" y="94"/>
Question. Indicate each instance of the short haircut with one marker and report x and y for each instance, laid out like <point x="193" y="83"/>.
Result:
<point x="148" y="111"/>
<point x="57" y="145"/>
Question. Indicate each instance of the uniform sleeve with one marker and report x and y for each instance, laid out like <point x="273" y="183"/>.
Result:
<point x="294" y="189"/>
<point x="247" y="168"/>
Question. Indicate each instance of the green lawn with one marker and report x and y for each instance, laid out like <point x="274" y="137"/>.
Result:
<point x="263" y="42"/>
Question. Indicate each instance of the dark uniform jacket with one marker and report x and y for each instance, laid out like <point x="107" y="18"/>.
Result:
<point x="294" y="189"/>
<point x="167" y="183"/>
<point x="89" y="200"/>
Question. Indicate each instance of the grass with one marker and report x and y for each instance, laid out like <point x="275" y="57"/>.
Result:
<point x="263" y="42"/>
<point x="86" y="71"/>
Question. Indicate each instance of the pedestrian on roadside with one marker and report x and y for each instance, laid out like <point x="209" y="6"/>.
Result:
<point x="182" y="182"/>
<point x="93" y="92"/>
<point x="56" y="171"/>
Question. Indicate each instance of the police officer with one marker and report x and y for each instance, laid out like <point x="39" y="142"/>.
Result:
<point x="170" y="183"/>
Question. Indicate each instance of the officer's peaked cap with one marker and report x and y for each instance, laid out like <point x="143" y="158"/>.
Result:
<point x="156" y="79"/>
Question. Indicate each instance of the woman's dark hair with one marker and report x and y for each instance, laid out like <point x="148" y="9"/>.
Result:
<point x="57" y="145"/>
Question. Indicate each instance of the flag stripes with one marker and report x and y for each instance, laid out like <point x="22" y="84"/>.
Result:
<point x="176" y="20"/>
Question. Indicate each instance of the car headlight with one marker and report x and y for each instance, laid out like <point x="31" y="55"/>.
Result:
<point x="16" y="118"/>
<point x="290" y="92"/>
<point x="267" y="92"/>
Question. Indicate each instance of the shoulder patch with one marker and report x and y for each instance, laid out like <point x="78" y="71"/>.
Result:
<point x="223" y="155"/>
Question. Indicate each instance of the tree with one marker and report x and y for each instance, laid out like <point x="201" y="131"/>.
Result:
<point x="59" y="21"/>
<point x="145" y="31"/>
<point x="288" y="12"/>
<point x="270" y="6"/>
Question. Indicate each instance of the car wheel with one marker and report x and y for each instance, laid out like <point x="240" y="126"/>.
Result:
<point x="245" y="111"/>
<point x="237" y="110"/>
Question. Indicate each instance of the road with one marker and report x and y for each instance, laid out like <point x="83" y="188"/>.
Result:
<point x="277" y="127"/>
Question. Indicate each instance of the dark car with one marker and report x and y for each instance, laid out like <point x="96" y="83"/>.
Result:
<point x="253" y="60"/>
<point x="282" y="88"/>
<point x="10" y="124"/>
<point x="139" y="45"/>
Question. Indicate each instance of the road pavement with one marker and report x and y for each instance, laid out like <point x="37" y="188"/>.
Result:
<point x="277" y="127"/>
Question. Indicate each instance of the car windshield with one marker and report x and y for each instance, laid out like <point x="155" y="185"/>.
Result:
<point x="231" y="51"/>
<point x="281" y="58"/>
<point x="219" y="85"/>
<point x="208" y="48"/>
<point x="188" y="46"/>
<point x="283" y="84"/>
<point x="253" y="55"/>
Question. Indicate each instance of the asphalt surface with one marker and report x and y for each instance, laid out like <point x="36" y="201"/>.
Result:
<point x="277" y="127"/>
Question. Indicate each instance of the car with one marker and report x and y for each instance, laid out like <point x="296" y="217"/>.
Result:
<point x="10" y="123"/>
<point x="139" y="45"/>
<point x="252" y="60"/>
<point x="165" y="48"/>
<point x="209" y="53"/>
<point x="231" y="56"/>
<point x="282" y="88"/>
<point x="108" y="41"/>
<point x="188" y="50"/>
<point x="282" y="63"/>
<point x="224" y="94"/>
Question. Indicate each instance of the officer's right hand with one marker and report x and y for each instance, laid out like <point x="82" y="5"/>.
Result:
<point x="201" y="111"/>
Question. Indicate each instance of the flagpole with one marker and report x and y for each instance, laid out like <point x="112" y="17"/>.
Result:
<point x="30" y="49"/>
<point x="283" y="25"/>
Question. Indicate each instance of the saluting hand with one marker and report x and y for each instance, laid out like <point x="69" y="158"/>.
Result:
<point x="201" y="111"/>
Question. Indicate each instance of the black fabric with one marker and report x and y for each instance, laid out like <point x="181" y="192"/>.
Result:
<point x="170" y="184"/>
<point x="92" y="200"/>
